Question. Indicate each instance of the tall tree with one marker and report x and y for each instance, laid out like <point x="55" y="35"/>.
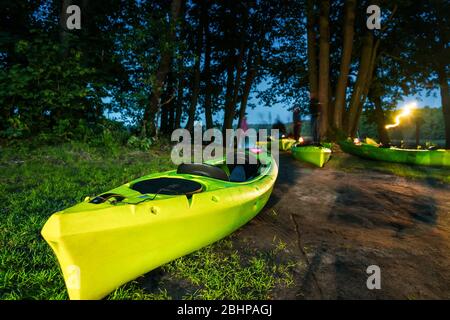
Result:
<point x="252" y="65"/>
<point x="361" y="82"/>
<point x="148" y="124"/>
<point x="207" y="71"/>
<point x="375" y="96"/>
<point x="236" y="55"/>
<point x="341" y="87"/>
<point x="312" y="51"/>
<point x="197" y="71"/>
<point x="324" y="66"/>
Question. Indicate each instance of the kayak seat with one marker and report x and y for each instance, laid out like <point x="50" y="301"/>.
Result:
<point x="243" y="172"/>
<point x="244" y="167"/>
<point x="202" y="169"/>
<point x="238" y="174"/>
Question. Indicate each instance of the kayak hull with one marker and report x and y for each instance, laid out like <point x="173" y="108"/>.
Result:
<point x="102" y="246"/>
<point x="438" y="158"/>
<point x="315" y="155"/>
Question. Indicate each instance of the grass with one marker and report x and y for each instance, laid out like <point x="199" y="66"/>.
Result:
<point x="346" y="162"/>
<point x="218" y="271"/>
<point x="36" y="181"/>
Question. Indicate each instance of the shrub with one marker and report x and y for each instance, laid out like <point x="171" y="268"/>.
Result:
<point x="140" y="143"/>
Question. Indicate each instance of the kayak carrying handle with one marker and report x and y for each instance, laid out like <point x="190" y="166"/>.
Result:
<point x="102" y="198"/>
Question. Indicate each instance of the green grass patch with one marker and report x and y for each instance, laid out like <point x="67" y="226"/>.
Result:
<point x="36" y="181"/>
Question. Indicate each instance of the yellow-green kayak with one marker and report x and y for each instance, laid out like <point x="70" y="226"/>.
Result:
<point x="285" y="144"/>
<point x="438" y="158"/>
<point x="316" y="155"/>
<point x="108" y="240"/>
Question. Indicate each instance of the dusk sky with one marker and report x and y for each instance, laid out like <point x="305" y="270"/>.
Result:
<point x="261" y="113"/>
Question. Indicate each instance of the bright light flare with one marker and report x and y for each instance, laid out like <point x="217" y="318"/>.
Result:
<point x="356" y="141"/>
<point x="301" y="140"/>
<point x="407" y="109"/>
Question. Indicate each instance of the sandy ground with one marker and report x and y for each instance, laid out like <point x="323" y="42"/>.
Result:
<point x="336" y="224"/>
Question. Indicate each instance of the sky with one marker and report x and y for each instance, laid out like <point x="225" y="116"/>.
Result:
<point x="262" y="114"/>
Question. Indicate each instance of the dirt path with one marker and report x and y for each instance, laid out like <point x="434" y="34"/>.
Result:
<point x="336" y="224"/>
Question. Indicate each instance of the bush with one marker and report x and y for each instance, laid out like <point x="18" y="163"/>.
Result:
<point x="140" y="143"/>
<point x="16" y="128"/>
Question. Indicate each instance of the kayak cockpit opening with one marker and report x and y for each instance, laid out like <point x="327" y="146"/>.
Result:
<point x="167" y="186"/>
<point x="155" y="186"/>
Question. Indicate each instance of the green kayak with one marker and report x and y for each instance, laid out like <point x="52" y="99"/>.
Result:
<point x="316" y="155"/>
<point x="112" y="238"/>
<point x="440" y="157"/>
<point x="284" y="144"/>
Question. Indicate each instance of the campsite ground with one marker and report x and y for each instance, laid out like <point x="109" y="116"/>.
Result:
<point x="338" y="220"/>
<point x="315" y="238"/>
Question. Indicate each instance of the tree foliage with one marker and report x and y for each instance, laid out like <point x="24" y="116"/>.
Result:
<point x="159" y="65"/>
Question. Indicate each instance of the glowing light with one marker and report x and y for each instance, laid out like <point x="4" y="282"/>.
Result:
<point x="283" y="136"/>
<point x="407" y="109"/>
<point x="301" y="140"/>
<point x="356" y="141"/>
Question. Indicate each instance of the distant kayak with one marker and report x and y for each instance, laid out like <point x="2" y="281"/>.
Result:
<point x="285" y="144"/>
<point x="111" y="239"/>
<point x="438" y="158"/>
<point x="316" y="155"/>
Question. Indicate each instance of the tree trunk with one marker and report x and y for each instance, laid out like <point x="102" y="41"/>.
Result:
<point x="251" y="72"/>
<point x="148" y="124"/>
<point x="167" y="105"/>
<point x="360" y="84"/>
<point x="445" y="99"/>
<point x="179" y="102"/>
<point x="324" y="67"/>
<point x="237" y="84"/>
<point x="197" y="73"/>
<point x="207" y="73"/>
<point x="339" y="102"/>
<point x="63" y="32"/>
<point x="229" y="114"/>
<point x="164" y="118"/>
<point x="171" y="124"/>
<point x="380" y="121"/>
<point x="312" y="52"/>
<point x="373" y="62"/>
<point x="418" y="124"/>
